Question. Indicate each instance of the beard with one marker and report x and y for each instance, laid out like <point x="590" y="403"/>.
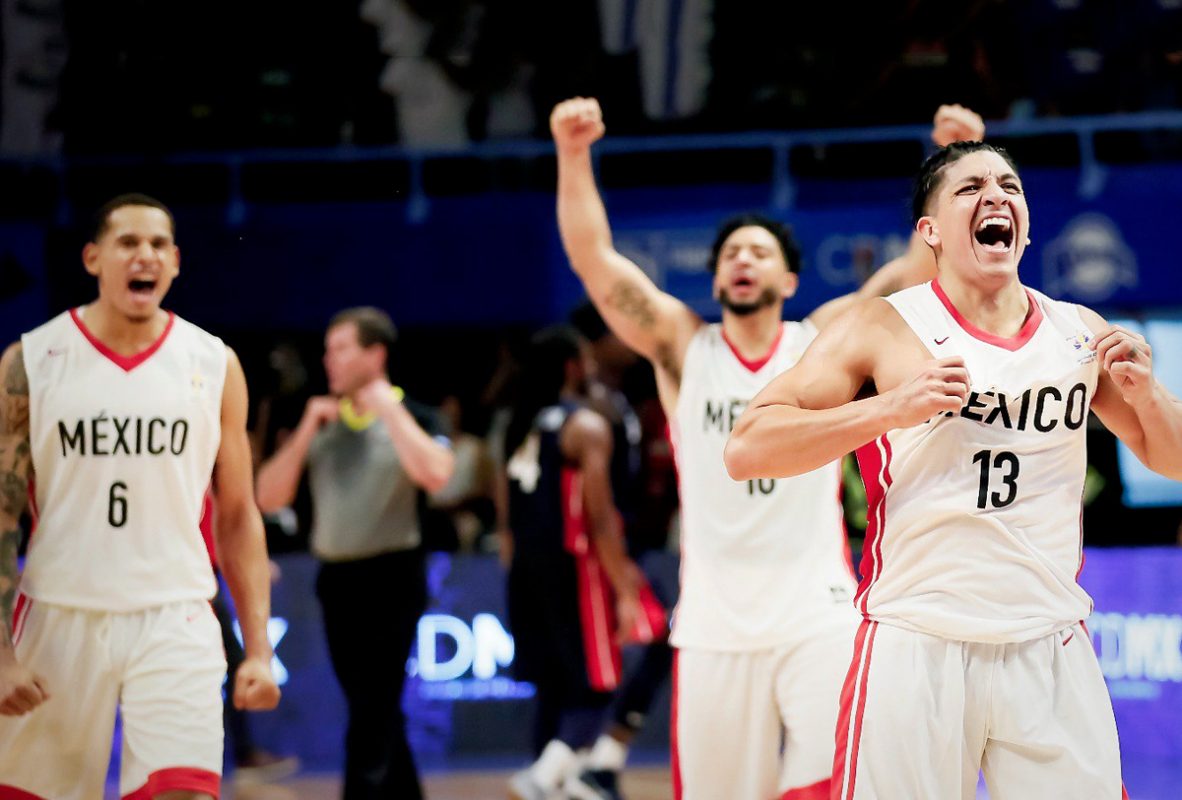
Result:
<point x="767" y="298"/>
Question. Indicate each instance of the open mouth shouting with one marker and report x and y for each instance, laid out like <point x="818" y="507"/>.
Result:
<point x="142" y="288"/>
<point x="995" y="233"/>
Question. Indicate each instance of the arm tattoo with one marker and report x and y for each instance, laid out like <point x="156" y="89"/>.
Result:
<point x="632" y="303"/>
<point x="15" y="466"/>
<point x="9" y="542"/>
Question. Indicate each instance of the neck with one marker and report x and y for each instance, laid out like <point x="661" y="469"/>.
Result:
<point x="1000" y="308"/>
<point x="122" y="334"/>
<point x="753" y="334"/>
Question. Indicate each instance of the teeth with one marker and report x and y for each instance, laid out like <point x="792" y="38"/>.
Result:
<point x="995" y="222"/>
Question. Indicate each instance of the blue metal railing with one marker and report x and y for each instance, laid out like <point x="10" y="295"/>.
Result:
<point x="779" y="143"/>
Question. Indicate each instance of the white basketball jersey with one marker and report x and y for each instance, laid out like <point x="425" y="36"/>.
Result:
<point x="760" y="558"/>
<point x="123" y="449"/>
<point x="974" y="518"/>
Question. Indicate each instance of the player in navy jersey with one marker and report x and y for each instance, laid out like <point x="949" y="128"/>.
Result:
<point x="572" y="589"/>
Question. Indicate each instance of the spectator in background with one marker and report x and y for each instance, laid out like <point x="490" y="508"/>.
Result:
<point x="467" y="498"/>
<point x="368" y="456"/>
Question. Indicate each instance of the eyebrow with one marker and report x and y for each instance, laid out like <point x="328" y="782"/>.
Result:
<point x="1008" y="176"/>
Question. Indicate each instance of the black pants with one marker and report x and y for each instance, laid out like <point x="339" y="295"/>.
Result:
<point x="371" y="610"/>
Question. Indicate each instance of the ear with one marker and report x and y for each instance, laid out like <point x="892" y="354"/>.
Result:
<point x="90" y="255"/>
<point x="791" y="284"/>
<point x="176" y="265"/>
<point x="928" y="230"/>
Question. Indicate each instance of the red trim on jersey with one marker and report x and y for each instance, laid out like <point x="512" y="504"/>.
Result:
<point x="876" y="477"/>
<point x="674" y="755"/>
<point x="816" y="791"/>
<point x="205" y="525"/>
<point x="596" y="610"/>
<point x="13" y="793"/>
<point x="757" y="364"/>
<point x="853" y="706"/>
<point x="1124" y="793"/>
<point x="844" y="531"/>
<point x="178" y="779"/>
<point x="20" y="613"/>
<point x="1033" y="320"/>
<point x="126" y="363"/>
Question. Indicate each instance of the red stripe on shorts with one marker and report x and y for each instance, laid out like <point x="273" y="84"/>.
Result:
<point x="178" y="779"/>
<point x="13" y="793"/>
<point x="853" y="705"/>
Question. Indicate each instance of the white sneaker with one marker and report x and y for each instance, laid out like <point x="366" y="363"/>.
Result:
<point x="522" y="786"/>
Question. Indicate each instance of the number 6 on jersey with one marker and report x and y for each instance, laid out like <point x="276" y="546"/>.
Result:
<point x="117" y="505"/>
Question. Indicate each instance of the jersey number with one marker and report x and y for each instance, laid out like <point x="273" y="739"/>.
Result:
<point x="1005" y="460"/>
<point x="761" y="485"/>
<point x="117" y="504"/>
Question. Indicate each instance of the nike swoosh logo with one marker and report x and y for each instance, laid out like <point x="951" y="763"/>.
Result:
<point x="940" y="341"/>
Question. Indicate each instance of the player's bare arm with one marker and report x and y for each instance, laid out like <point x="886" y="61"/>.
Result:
<point x="428" y="463"/>
<point x="951" y="123"/>
<point x="1131" y="402"/>
<point x="278" y="478"/>
<point x="808" y="416"/>
<point x="915" y="266"/>
<point x="587" y="439"/>
<point x="242" y="548"/>
<point x="651" y="322"/>
<point x="20" y="690"/>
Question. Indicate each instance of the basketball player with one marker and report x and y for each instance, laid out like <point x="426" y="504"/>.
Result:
<point x="114" y="415"/>
<point x="569" y="566"/>
<point x="764" y="625"/>
<point x="972" y="654"/>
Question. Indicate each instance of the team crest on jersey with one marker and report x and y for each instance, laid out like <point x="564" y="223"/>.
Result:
<point x="197" y="383"/>
<point x="1079" y="342"/>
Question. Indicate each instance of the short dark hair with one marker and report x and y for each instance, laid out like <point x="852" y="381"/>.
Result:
<point x="102" y="217"/>
<point x="543" y="373"/>
<point x="782" y="232"/>
<point x="927" y="181"/>
<point x="374" y="326"/>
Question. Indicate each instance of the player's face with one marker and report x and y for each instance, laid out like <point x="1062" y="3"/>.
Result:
<point x="348" y="364"/>
<point x="751" y="272"/>
<point x="135" y="260"/>
<point x="979" y="217"/>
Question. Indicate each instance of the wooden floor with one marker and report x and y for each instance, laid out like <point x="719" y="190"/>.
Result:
<point x="646" y="783"/>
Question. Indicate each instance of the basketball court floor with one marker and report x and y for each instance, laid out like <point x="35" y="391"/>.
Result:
<point x="1146" y="779"/>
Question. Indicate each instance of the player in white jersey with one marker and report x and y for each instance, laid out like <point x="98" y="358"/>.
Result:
<point x="113" y="417"/>
<point x="764" y="626"/>
<point x="974" y="393"/>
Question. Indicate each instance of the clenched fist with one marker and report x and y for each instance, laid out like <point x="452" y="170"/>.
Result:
<point x="21" y="690"/>
<point x="955" y="123"/>
<point x="255" y="688"/>
<point x="576" y="124"/>
<point x="942" y="385"/>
